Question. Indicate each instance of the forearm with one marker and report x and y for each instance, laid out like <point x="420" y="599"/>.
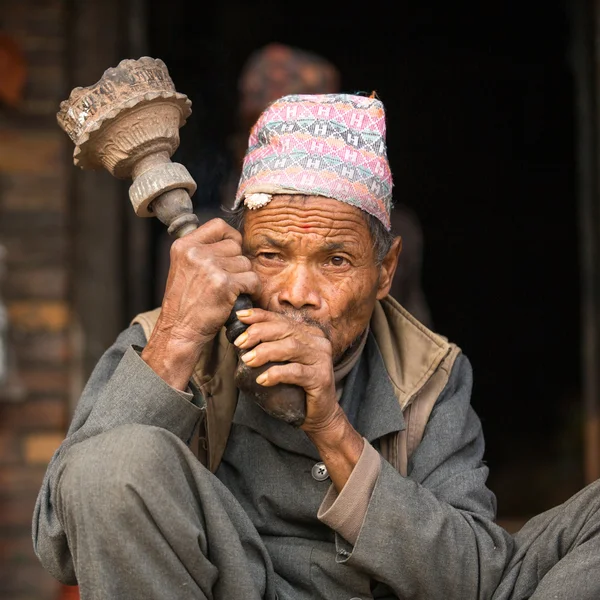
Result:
<point x="172" y="359"/>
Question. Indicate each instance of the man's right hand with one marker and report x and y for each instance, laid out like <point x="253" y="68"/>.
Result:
<point x="207" y="273"/>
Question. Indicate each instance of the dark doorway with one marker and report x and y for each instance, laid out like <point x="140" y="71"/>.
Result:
<point x="481" y="138"/>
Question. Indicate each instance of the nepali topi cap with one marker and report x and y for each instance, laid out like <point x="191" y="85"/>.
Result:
<point x="329" y="145"/>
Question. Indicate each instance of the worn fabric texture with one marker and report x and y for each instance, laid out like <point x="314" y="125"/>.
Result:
<point x="329" y="145"/>
<point x="125" y="486"/>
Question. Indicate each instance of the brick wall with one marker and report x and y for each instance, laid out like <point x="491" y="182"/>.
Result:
<point x="34" y="172"/>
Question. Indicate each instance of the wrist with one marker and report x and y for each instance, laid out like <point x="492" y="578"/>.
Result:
<point x="334" y="434"/>
<point x="173" y="359"/>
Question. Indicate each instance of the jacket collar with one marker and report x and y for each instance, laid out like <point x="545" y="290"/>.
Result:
<point x="411" y="352"/>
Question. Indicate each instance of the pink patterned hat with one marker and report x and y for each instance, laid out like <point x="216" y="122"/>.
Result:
<point x="329" y="145"/>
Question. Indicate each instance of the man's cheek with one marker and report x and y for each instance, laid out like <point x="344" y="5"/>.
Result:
<point x="268" y="293"/>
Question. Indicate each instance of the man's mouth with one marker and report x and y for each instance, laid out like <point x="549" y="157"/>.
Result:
<point x="300" y="316"/>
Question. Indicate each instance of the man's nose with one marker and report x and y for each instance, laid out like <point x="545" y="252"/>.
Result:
<point x="299" y="289"/>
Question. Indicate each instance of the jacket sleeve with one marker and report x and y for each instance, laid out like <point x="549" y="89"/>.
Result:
<point x="430" y="535"/>
<point x="122" y="389"/>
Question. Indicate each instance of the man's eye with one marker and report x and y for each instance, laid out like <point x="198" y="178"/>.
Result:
<point x="338" y="261"/>
<point x="269" y="255"/>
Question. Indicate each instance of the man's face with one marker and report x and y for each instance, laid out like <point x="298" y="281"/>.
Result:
<point x="315" y="259"/>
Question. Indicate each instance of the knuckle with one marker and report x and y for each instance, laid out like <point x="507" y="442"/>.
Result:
<point x="255" y="283"/>
<point x="178" y="248"/>
<point x="232" y="246"/>
<point x="233" y="233"/>
<point x="218" y="279"/>
<point x="319" y="333"/>
<point x="296" y="369"/>
<point x="326" y="345"/>
<point x="246" y="264"/>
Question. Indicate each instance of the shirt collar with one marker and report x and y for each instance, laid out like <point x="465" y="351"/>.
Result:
<point x="369" y="399"/>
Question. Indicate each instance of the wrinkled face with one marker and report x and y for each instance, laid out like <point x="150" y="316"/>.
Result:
<point x="315" y="259"/>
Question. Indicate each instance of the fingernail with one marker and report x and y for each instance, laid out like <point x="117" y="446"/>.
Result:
<point x="262" y="378"/>
<point x="241" y="339"/>
<point x="248" y="356"/>
<point x="243" y="313"/>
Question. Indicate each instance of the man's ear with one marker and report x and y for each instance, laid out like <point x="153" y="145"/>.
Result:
<point x="388" y="268"/>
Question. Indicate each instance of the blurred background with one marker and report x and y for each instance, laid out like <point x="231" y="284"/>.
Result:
<point x="493" y="138"/>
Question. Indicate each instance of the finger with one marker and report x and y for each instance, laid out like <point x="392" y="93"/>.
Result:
<point x="234" y="264"/>
<point x="265" y="331"/>
<point x="247" y="282"/>
<point x="189" y="251"/>
<point x="216" y="250"/>
<point x="291" y="373"/>
<point x="226" y="247"/>
<point x="268" y="326"/>
<point x="258" y="315"/>
<point x="289" y="349"/>
<point x="213" y="231"/>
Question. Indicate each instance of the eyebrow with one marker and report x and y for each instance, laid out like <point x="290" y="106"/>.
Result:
<point x="333" y="246"/>
<point x="329" y="247"/>
<point x="273" y="242"/>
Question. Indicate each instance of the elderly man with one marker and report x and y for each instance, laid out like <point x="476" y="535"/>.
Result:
<point x="379" y="494"/>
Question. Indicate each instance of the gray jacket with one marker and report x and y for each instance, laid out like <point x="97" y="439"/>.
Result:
<point x="429" y="535"/>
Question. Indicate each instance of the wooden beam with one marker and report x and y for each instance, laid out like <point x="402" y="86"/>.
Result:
<point x="585" y="56"/>
<point x="97" y="200"/>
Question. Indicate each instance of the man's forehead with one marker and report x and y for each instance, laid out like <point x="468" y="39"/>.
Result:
<point x="302" y="209"/>
<point x="313" y="216"/>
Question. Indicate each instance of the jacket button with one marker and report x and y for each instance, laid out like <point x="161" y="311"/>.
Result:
<point x="319" y="472"/>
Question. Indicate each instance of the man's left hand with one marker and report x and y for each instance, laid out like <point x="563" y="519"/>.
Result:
<point x="307" y="352"/>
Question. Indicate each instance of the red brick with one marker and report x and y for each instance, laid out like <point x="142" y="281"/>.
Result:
<point x="41" y="348"/>
<point x="16" y="510"/>
<point x="38" y="315"/>
<point x="39" y="152"/>
<point x="10" y="448"/>
<point x="35" y="250"/>
<point x="27" y="582"/>
<point x="31" y="223"/>
<point x="38" y="107"/>
<point x="36" y="282"/>
<point x="17" y="549"/>
<point x="33" y="415"/>
<point x="29" y="192"/>
<point x="21" y="480"/>
<point x="39" y="448"/>
<point x="45" y="381"/>
<point x="49" y="46"/>
<point x="46" y="81"/>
